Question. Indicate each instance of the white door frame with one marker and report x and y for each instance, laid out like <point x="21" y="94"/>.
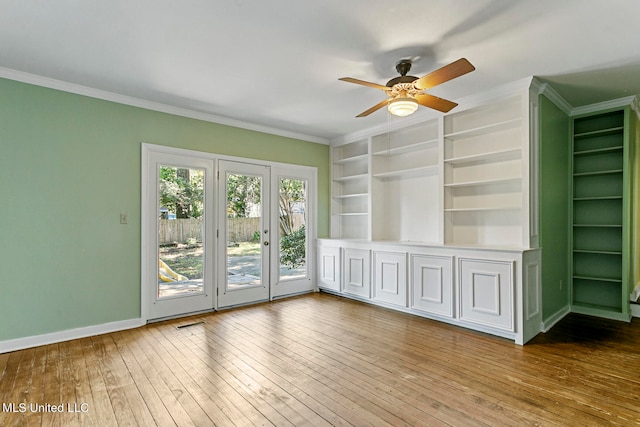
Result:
<point x="149" y="231"/>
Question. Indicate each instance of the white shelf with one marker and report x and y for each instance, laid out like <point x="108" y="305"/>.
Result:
<point x="351" y="196"/>
<point x="493" y="156"/>
<point x="483" y="182"/>
<point x="351" y="177"/>
<point x="358" y="158"/>
<point x="485" y="209"/>
<point x="353" y="214"/>
<point x="408" y="148"/>
<point x="423" y="170"/>
<point x="483" y="130"/>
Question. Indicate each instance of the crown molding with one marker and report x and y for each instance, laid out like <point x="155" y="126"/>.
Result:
<point x="550" y="93"/>
<point x="104" y="95"/>
<point x="614" y="103"/>
<point x="635" y="106"/>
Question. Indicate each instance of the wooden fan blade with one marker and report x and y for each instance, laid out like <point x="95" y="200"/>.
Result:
<point x="362" y="82"/>
<point x="434" y="102"/>
<point x="444" y="74"/>
<point x="374" y="108"/>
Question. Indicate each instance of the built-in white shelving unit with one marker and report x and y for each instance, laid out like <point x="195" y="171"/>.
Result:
<point x="350" y="190"/>
<point x="483" y="174"/>
<point x="435" y="218"/>
<point x="405" y="173"/>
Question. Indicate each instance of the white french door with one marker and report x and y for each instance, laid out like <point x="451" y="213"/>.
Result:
<point x="292" y="218"/>
<point x="243" y="233"/>
<point x="178" y="249"/>
<point x="219" y="233"/>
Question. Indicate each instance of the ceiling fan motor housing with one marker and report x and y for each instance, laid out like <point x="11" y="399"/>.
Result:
<point x="402" y="67"/>
<point x="401" y="79"/>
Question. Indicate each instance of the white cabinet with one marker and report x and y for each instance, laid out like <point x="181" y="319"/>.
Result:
<point x="357" y="272"/>
<point x="329" y="268"/>
<point x="486" y="292"/>
<point x="390" y="277"/>
<point x="490" y="290"/>
<point x="431" y="284"/>
<point x="440" y="218"/>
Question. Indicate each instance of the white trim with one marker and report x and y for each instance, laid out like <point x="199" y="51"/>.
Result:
<point x="635" y="310"/>
<point x="635" y="294"/>
<point x="594" y="108"/>
<point x="551" y="321"/>
<point x="635" y="106"/>
<point x="556" y="99"/>
<point x="214" y="156"/>
<point x="69" y="334"/>
<point x="50" y="83"/>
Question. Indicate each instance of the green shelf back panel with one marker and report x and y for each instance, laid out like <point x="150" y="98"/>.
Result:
<point x="598" y="122"/>
<point x="597" y="212"/>
<point x="607" y="239"/>
<point x="609" y="140"/>
<point x="597" y="294"/>
<point x="598" y="162"/>
<point x="604" y="185"/>
<point x="600" y="266"/>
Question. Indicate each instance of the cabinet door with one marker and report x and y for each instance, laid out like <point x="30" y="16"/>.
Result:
<point x="357" y="272"/>
<point x="431" y="284"/>
<point x="329" y="268"/>
<point x="486" y="292"/>
<point x="390" y="277"/>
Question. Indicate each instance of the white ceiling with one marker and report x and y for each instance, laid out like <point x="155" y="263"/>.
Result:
<point x="276" y="63"/>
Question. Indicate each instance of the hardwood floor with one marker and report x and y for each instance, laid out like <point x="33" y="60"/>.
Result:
<point x="319" y="360"/>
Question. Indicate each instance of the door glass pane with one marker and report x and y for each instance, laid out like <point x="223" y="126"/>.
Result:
<point x="180" y="232"/>
<point x="293" y="233"/>
<point x="244" y="231"/>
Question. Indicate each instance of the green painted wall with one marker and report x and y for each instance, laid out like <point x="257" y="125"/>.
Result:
<point x="69" y="165"/>
<point x="555" y="175"/>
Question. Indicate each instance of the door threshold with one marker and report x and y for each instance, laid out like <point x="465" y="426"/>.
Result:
<point x="179" y="316"/>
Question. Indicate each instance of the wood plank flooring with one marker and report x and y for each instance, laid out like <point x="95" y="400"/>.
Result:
<point x="321" y="360"/>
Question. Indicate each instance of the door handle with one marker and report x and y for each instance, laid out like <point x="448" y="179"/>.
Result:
<point x="266" y="243"/>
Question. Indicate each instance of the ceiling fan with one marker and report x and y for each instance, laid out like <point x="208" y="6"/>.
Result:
<point x="407" y="92"/>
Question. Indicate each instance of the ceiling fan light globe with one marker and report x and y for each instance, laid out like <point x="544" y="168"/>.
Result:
<point x="403" y="106"/>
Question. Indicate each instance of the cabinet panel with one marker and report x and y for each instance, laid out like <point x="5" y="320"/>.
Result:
<point x="329" y="268"/>
<point x="486" y="292"/>
<point x="356" y="270"/>
<point x="431" y="284"/>
<point x="390" y="277"/>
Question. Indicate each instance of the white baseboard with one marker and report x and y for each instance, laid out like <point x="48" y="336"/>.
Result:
<point x="69" y="334"/>
<point x="635" y="310"/>
<point x="548" y="323"/>
<point x="635" y="294"/>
